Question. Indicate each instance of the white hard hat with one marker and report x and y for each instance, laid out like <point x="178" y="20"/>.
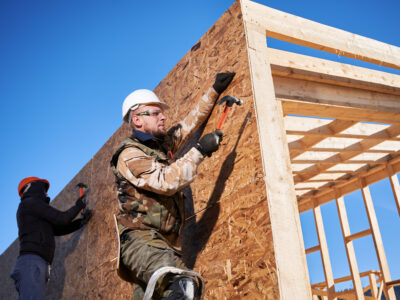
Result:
<point x="138" y="97"/>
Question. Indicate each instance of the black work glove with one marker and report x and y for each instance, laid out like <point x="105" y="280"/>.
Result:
<point x="209" y="143"/>
<point x="86" y="215"/>
<point x="81" y="202"/>
<point x="222" y="80"/>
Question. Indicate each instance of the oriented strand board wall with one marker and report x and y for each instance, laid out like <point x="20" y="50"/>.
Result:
<point x="230" y="244"/>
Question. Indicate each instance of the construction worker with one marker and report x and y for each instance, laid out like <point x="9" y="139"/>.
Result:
<point x="149" y="181"/>
<point x="38" y="223"/>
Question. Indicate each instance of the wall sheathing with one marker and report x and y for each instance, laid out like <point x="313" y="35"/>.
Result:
<point x="230" y="242"/>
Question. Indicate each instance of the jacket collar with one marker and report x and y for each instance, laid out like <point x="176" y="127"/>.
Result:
<point x="144" y="136"/>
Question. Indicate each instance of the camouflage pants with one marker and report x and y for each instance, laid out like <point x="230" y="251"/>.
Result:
<point x="143" y="252"/>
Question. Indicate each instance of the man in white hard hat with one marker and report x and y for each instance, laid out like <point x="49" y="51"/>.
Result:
<point x="149" y="183"/>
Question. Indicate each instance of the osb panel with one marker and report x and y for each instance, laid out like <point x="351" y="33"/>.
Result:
<point x="230" y="243"/>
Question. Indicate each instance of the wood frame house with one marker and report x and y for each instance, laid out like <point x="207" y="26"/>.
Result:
<point x="310" y="131"/>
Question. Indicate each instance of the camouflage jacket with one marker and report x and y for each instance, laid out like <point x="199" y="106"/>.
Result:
<point x="149" y="181"/>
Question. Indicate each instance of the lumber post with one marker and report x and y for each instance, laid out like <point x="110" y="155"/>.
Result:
<point x="326" y="263"/>
<point x="376" y="234"/>
<point x="394" y="183"/>
<point x="291" y="264"/>
<point x="351" y="256"/>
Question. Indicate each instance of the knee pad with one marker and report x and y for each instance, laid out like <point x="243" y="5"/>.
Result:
<point x="182" y="288"/>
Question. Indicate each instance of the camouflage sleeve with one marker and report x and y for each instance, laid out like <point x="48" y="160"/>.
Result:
<point x="194" y="119"/>
<point x="145" y="172"/>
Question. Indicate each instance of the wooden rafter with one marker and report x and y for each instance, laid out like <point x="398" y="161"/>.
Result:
<point x="290" y="28"/>
<point x="344" y="157"/>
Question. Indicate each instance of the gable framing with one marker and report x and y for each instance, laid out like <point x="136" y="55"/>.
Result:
<point x="308" y="162"/>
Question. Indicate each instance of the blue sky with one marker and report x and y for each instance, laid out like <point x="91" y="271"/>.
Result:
<point x="66" y="66"/>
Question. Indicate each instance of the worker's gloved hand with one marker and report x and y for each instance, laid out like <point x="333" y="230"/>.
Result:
<point x="86" y="215"/>
<point x="209" y="143"/>
<point x="222" y="80"/>
<point x="81" y="202"/>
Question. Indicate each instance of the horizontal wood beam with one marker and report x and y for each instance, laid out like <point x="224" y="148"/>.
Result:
<point x="313" y="249"/>
<point x="323" y="135"/>
<point x="289" y="64"/>
<point x="296" y="150"/>
<point x="393" y="283"/>
<point x="291" y="28"/>
<point x="347" y="278"/>
<point x="293" y="107"/>
<point x="358" y="235"/>
<point x="317" y="92"/>
<point x="319" y="197"/>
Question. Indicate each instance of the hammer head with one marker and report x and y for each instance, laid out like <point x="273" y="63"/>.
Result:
<point x="81" y="185"/>
<point x="230" y="100"/>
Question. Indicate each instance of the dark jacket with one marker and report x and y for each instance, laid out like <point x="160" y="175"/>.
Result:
<point x="38" y="223"/>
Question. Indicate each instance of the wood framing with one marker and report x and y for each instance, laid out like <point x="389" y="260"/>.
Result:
<point x="285" y="222"/>
<point x="310" y="131"/>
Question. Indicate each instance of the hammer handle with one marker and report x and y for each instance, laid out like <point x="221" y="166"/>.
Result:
<point x="223" y="117"/>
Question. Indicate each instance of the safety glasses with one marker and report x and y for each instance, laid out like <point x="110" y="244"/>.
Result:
<point x="154" y="113"/>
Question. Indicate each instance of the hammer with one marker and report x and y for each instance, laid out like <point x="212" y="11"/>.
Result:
<point x="81" y="186"/>
<point x="230" y="100"/>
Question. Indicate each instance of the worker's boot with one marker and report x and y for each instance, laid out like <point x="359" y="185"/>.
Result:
<point x="182" y="288"/>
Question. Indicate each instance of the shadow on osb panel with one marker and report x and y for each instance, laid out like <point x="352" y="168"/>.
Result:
<point x="196" y="234"/>
<point x="56" y="284"/>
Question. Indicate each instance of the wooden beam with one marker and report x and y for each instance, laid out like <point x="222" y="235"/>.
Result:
<point x="358" y="235"/>
<point x="393" y="283"/>
<point x="326" y="262"/>
<point x="346" y="157"/>
<point x="325" y="195"/>
<point x="394" y="183"/>
<point x="306" y="142"/>
<point x="372" y="283"/>
<point x="351" y="256"/>
<point x="347" y="278"/>
<point x="313" y="249"/>
<point x="376" y="234"/>
<point x="317" y="92"/>
<point x="311" y="34"/>
<point x="289" y="64"/>
<point x="291" y="265"/>
<point x="292" y="107"/>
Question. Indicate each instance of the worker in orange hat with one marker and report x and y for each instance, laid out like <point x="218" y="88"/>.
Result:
<point x="38" y="223"/>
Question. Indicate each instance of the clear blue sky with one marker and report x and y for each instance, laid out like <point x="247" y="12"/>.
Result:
<point x="66" y="66"/>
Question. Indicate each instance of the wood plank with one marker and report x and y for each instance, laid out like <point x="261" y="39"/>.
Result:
<point x="347" y="157"/>
<point x="373" y="286"/>
<point x="325" y="195"/>
<point x="351" y="256"/>
<point x="347" y="278"/>
<point x="313" y="249"/>
<point x="311" y="34"/>
<point x="317" y="92"/>
<point x="326" y="262"/>
<point x="291" y="263"/>
<point x="289" y="64"/>
<point x="394" y="183"/>
<point x="306" y="142"/>
<point x="358" y="235"/>
<point x="393" y="283"/>
<point x="376" y="234"/>
<point x="292" y="107"/>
